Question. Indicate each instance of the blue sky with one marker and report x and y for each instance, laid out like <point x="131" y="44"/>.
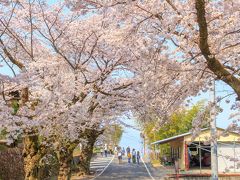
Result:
<point x="131" y="137"/>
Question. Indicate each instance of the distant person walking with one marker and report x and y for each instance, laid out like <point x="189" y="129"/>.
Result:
<point x="106" y="150"/>
<point x="123" y="151"/>
<point x="128" y="150"/>
<point x="111" y="151"/>
<point x="115" y="150"/>
<point x="101" y="150"/>
<point x="120" y="156"/>
<point x="138" y="157"/>
<point x="129" y="156"/>
<point x="134" y="156"/>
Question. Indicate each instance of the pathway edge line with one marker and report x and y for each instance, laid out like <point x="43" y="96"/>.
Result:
<point x="104" y="169"/>
<point x="147" y="169"/>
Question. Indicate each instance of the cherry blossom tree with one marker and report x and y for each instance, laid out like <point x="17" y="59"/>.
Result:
<point x="77" y="64"/>
<point x="200" y="39"/>
<point x="68" y="83"/>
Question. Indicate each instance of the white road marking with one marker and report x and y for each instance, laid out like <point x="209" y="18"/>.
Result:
<point x="99" y="169"/>
<point x="104" y="168"/>
<point x="101" y="162"/>
<point x="94" y="167"/>
<point x="101" y="159"/>
<point x="147" y="169"/>
<point x="95" y="164"/>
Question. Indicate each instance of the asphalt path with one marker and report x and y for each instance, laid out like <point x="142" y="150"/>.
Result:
<point x="98" y="164"/>
<point x="124" y="171"/>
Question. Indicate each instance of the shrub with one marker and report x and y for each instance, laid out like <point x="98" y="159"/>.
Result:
<point x="11" y="164"/>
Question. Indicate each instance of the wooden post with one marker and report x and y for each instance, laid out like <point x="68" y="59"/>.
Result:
<point x="176" y="165"/>
<point x="186" y="156"/>
<point x="200" y="155"/>
<point x="234" y="151"/>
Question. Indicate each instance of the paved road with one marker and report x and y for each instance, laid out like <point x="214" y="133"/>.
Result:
<point x="97" y="166"/>
<point x="124" y="171"/>
<point x="99" y="163"/>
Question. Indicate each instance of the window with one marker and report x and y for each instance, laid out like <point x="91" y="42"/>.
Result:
<point x="175" y="152"/>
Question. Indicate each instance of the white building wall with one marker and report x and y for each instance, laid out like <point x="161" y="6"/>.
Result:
<point x="226" y="154"/>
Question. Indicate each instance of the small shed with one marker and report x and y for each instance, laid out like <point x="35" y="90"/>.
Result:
<point x="197" y="154"/>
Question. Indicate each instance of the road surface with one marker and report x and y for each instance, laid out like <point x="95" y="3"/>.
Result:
<point x="124" y="171"/>
<point x="98" y="164"/>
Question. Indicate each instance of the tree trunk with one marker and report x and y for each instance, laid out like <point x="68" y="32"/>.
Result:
<point x="31" y="154"/>
<point x="31" y="157"/>
<point x="87" y="151"/>
<point x="213" y="63"/>
<point x="65" y="161"/>
<point x="85" y="158"/>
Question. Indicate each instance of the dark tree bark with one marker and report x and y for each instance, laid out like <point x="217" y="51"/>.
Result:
<point x="212" y="62"/>
<point x="65" y="160"/>
<point x="31" y="157"/>
<point x="85" y="158"/>
<point x="91" y="136"/>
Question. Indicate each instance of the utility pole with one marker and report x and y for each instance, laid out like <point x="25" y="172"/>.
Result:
<point x="144" y="145"/>
<point x="214" y="157"/>
<point x="142" y="135"/>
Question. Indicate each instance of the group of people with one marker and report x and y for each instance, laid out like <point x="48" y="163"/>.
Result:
<point x="134" y="156"/>
<point x="105" y="151"/>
